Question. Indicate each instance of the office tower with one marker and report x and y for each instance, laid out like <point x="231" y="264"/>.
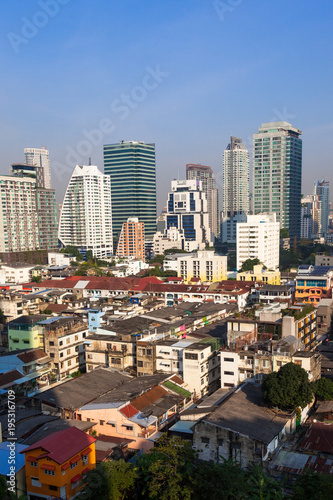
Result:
<point x="322" y="190"/>
<point x="259" y="238"/>
<point x="131" y="167"/>
<point x="206" y="176"/>
<point x="311" y="227"/>
<point x="132" y="239"/>
<point x="277" y="173"/>
<point x="187" y="211"/>
<point x="18" y="214"/>
<point x="85" y="218"/>
<point x="39" y="157"/>
<point x="235" y="178"/>
<point x="46" y="205"/>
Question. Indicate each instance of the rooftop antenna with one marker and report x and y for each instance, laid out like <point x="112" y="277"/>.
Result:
<point x="89" y="160"/>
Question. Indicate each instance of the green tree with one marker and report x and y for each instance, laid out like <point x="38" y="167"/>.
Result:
<point x="323" y="389"/>
<point x="36" y="279"/>
<point x="287" y="389"/>
<point x="3" y="487"/>
<point x="248" y="264"/>
<point x="284" y="233"/>
<point x="110" y="481"/>
<point x="313" y="486"/>
<point x="218" y="481"/>
<point x="166" y="470"/>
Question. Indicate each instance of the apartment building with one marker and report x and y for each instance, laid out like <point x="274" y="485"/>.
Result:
<point x="260" y="274"/>
<point x="25" y="332"/>
<point x="204" y="265"/>
<point x="64" y="343"/>
<point x="113" y="351"/>
<point x="314" y="283"/>
<point x="259" y="238"/>
<point x="132" y="239"/>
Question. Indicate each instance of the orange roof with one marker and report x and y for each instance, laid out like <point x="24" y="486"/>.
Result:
<point x="128" y="411"/>
<point x="32" y="355"/>
<point x="149" y="397"/>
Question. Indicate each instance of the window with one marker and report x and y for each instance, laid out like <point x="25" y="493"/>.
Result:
<point x="228" y="360"/>
<point x="76" y="338"/>
<point x="49" y="472"/>
<point x="68" y="341"/>
<point x="69" y="362"/>
<point x="68" y="351"/>
<point x="53" y="488"/>
<point x="73" y="465"/>
<point x="190" y="355"/>
<point x="148" y="352"/>
<point x="111" y="424"/>
<point x="140" y="364"/>
<point x="51" y="343"/>
<point x="229" y="373"/>
<point x="51" y="354"/>
<point x="74" y="485"/>
<point x="34" y="464"/>
<point x="128" y="427"/>
<point x="116" y="361"/>
<point x="205" y="440"/>
<point x="101" y="422"/>
<point x="61" y="354"/>
<point x="60" y="343"/>
<point x="220" y="442"/>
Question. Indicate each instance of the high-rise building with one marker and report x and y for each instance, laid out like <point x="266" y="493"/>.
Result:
<point x="235" y="178"/>
<point x="131" y="167"/>
<point x="132" y="239"/>
<point x="187" y="211"/>
<point x="259" y="238"/>
<point x="85" y="218"/>
<point x="311" y="217"/>
<point x="18" y="214"/>
<point x="205" y="174"/>
<point x="322" y="190"/>
<point x="277" y="173"/>
<point x="39" y="157"/>
<point x="46" y="205"/>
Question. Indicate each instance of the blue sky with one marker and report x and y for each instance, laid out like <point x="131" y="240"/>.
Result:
<point x="224" y="68"/>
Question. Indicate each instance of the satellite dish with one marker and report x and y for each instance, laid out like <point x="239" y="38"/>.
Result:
<point x="146" y="414"/>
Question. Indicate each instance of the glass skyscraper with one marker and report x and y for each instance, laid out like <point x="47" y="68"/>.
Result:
<point x="131" y="167"/>
<point x="277" y="174"/>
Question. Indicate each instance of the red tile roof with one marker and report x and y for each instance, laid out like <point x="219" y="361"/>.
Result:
<point x="149" y="397"/>
<point x="56" y="308"/>
<point x="62" y="445"/>
<point x="177" y="380"/>
<point x="128" y="411"/>
<point x="32" y="355"/>
<point x="9" y="377"/>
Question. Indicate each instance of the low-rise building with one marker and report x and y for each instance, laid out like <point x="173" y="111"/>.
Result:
<point x="204" y="265"/>
<point x="64" y="343"/>
<point x="260" y="274"/>
<point x="314" y="283"/>
<point x="241" y="428"/>
<point x="276" y="293"/>
<point x="25" y="332"/>
<point x="17" y="273"/>
<point x="56" y="464"/>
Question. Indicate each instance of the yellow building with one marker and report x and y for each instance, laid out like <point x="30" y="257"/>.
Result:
<point x="259" y="274"/>
<point x="204" y="265"/>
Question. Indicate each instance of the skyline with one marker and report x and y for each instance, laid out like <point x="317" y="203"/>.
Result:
<point x="197" y="72"/>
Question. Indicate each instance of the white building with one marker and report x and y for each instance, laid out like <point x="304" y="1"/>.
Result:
<point x="187" y="211"/>
<point x="235" y="178"/>
<point x="59" y="259"/>
<point x="85" y="219"/>
<point x="229" y="226"/>
<point x="17" y="273"/>
<point x="18" y="214"/>
<point x="39" y="157"/>
<point x="259" y="238"/>
<point x="171" y="238"/>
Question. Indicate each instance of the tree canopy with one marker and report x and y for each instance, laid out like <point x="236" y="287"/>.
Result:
<point x="287" y="389"/>
<point x="248" y="264"/>
<point x="323" y="389"/>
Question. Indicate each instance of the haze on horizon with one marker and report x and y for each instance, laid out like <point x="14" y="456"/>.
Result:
<point x="184" y="75"/>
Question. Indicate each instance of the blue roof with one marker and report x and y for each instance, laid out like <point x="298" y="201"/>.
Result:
<point x="183" y="426"/>
<point x="49" y="321"/>
<point x="4" y="457"/>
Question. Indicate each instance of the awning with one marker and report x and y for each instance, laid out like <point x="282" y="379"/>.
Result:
<point x="65" y="466"/>
<point x="85" y="452"/>
<point x="75" y="459"/>
<point x="31" y="459"/>
<point x="47" y="467"/>
<point x="76" y="478"/>
<point x="85" y="470"/>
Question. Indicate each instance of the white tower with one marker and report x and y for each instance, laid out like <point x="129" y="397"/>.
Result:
<point x="39" y="157"/>
<point x="85" y="218"/>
